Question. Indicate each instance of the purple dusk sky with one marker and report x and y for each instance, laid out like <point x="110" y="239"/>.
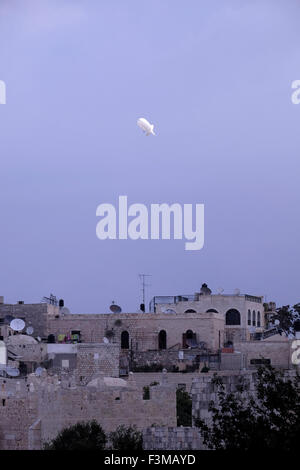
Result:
<point x="215" y="79"/>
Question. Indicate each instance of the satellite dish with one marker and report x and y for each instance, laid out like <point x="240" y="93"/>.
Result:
<point x="114" y="308"/>
<point x="8" y="319"/>
<point x="39" y="371"/>
<point x="12" y="371"/>
<point x="168" y="310"/>
<point x="220" y="290"/>
<point x="29" y="330"/>
<point x="237" y="291"/>
<point x="105" y="340"/>
<point x="64" y="311"/>
<point x="17" y="324"/>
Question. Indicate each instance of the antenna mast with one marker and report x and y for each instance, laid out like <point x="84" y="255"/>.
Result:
<point x="144" y="285"/>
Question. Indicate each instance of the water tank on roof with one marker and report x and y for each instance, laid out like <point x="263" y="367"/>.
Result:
<point x="205" y="290"/>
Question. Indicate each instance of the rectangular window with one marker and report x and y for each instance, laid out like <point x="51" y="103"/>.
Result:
<point x="65" y="363"/>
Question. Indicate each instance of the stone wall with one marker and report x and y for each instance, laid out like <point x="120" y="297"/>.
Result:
<point x="184" y="359"/>
<point x="111" y="406"/>
<point x="144" y="379"/>
<point x="279" y="352"/>
<point x="203" y="391"/>
<point x="93" y="358"/>
<point x="15" y="418"/>
<point x="172" y="438"/>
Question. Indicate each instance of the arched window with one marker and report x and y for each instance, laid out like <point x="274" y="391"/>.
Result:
<point x="212" y="310"/>
<point x="125" y="340"/>
<point x="188" y="339"/>
<point x="189" y="334"/>
<point x="249" y="317"/>
<point x="258" y="318"/>
<point x="162" y="339"/>
<point x="253" y="318"/>
<point x="190" y="310"/>
<point x="233" y="317"/>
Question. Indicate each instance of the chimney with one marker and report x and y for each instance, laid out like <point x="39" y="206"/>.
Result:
<point x="1" y="300"/>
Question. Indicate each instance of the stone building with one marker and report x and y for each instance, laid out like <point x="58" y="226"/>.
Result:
<point x="78" y="360"/>
<point x="173" y="321"/>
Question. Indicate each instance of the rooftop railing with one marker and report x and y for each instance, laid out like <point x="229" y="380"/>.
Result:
<point x="170" y="299"/>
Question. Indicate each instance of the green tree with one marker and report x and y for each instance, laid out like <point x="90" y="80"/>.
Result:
<point x="268" y="419"/>
<point x="184" y="408"/>
<point x="286" y="316"/>
<point x="81" y="436"/>
<point x="126" y="439"/>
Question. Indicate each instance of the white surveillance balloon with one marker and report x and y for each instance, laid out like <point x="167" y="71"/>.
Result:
<point x="145" y="126"/>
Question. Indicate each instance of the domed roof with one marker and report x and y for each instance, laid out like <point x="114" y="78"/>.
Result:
<point x="115" y="382"/>
<point x="17" y="340"/>
<point x="108" y="382"/>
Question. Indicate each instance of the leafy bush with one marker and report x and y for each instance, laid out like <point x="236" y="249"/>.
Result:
<point x="126" y="439"/>
<point x="81" y="436"/>
<point x="184" y="408"/>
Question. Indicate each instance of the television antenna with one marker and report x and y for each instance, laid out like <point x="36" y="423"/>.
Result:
<point x="52" y="300"/>
<point x="144" y="285"/>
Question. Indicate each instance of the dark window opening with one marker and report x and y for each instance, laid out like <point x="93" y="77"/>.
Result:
<point x="233" y="317"/>
<point x="124" y="340"/>
<point x="162" y="340"/>
<point x="189" y="339"/>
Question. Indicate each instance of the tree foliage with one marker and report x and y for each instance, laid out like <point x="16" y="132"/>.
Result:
<point x="184" y="408"/>
<point x="126" y="439"/>
<point x="286" y="316"/>
<point x="81" y="436"/>
<point x="267" y="419"/>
